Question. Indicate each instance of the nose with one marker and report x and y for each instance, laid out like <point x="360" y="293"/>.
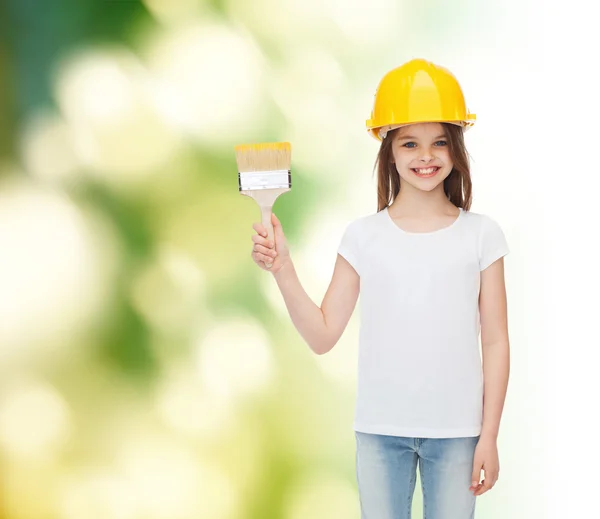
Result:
<point x="426" y="156"/>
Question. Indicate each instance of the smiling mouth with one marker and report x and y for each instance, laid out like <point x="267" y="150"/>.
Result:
<point x="425" y="172"/>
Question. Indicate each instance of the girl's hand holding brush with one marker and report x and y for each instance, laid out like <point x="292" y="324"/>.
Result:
<point x="270" y="255"/>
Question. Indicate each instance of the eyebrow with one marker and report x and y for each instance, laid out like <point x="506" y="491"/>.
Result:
<point x="403" y="137"/>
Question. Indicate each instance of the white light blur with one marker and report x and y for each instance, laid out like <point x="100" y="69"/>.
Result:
<point x="309" y="75"/>
<point x="234" y="359"/>
<point x="47" y="148"/>
<point x="185" y="406"/>
<point x="55" y="270"/>
<point x="369" y="25"/>
<point x="325" y="226"/>
<point x="170" y="482"/>
<point x="34" y="420"/>
<point x="314" y="493"/>
<point x="214" y="77"/>
<point x="97" y="494"/>
<point x="168" y="290"/>
<point x="266" y="17"/>
<point x="108" y="100"/>
<point x="189" y="412"/>
<point x="311" y="90"/>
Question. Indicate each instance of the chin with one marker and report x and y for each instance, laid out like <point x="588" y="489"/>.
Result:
<point x="424" y="184"/>
<point x="426" y="188"/>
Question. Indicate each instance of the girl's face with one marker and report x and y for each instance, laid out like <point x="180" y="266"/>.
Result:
<point x="421" y="155"/>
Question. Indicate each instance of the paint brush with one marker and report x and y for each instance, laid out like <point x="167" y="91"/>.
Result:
<point x="264" y="173"/>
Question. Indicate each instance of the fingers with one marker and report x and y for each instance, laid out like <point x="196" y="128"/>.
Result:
<point x="487" y="484"/>
<point x="265" y="251"/>
<point x="262" y="241"/>
<point x="483" y="488"/>
<point x="278" y="234"/>
<point x="475" y="476"/>
<point x="262" y="259"/>
<point x="260" y="228"/>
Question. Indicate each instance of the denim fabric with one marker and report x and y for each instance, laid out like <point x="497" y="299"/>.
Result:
<point x="386" y="476"/>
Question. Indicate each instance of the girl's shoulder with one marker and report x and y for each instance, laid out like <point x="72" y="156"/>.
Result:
<point x="486" y="227"/>
<point x="480" y="219"/>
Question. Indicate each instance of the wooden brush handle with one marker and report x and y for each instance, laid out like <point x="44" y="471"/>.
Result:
<point x="265" y="198"/>
<point x="266" y="212"/>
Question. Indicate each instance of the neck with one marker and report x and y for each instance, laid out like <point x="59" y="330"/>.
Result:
<point x="421" y="203"/>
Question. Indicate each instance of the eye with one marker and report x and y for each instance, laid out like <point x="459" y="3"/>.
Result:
<point x="406" y="145"/>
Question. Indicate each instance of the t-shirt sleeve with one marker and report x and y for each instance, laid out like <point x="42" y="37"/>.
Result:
<point x="492" y="242"/>
<point x="348" y="247"/>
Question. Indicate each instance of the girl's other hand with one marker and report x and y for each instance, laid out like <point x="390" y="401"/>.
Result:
<point x="486" y="458"/>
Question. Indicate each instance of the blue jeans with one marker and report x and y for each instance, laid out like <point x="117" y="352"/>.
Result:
<point x="386" y="475"/>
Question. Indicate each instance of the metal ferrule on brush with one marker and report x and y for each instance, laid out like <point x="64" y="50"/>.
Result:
<point x="280" y="178"/>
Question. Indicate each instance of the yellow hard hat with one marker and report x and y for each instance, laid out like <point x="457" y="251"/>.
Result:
<point x="418" y="91"/>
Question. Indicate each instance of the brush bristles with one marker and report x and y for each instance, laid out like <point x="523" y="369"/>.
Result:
<point x="265" y="156"/>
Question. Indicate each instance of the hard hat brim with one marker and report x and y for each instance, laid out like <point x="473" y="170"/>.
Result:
<point x="381" y="132"/>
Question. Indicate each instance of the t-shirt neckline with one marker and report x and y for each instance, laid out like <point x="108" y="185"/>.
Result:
<point x="437" y="231"/>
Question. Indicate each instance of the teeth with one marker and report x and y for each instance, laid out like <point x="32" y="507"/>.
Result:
<point x="425" y="171"/>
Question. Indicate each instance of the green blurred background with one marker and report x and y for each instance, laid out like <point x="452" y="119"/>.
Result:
<point x="148" y="368"/>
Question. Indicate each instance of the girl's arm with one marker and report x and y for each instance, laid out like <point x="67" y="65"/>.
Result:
<point x="321" y="327"/>
<point x="494" y="346"/>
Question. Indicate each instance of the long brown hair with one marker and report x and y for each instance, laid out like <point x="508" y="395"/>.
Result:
<point x="457" y="185"/>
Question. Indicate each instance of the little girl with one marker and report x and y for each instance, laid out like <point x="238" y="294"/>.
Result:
<point x="431" y="278"/>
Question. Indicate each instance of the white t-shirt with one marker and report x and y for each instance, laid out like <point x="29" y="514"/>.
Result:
<point x="419" y="366"/>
